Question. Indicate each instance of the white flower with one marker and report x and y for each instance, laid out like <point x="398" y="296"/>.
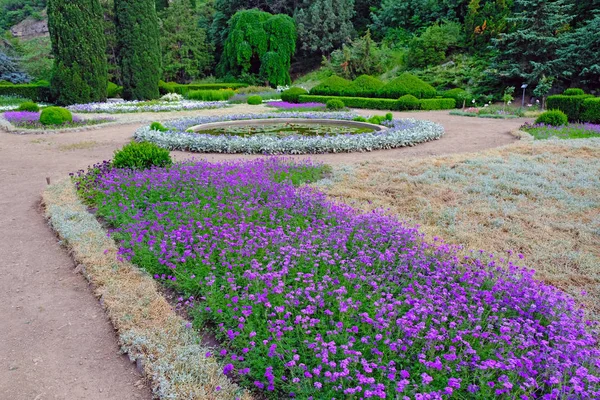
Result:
<point x="172" y="97"/>
<point x="509" y="102"/>
<point x="537" y="101"/>
<point x="486" y="105"/>
<point x="473" y="101"/>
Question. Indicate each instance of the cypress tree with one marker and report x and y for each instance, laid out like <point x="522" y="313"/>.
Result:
<point x="138" y="48"/>
<point x="79" y="73"/>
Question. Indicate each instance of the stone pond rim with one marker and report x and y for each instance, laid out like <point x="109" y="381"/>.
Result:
<point x="273" y="121"/>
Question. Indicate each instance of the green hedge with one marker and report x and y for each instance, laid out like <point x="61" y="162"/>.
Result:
<point x="437" y="104"/>
<point x="171" y="87"/>
<point x="407" y="84"/>
<point x="209" y="95"/>
<point x="570" y="105"/>
<point x="574" y="92"/>
<point x="332" y="86"/>
<point x="408" y="102"/>
<point x="461" y="96"/>
<point x="363" y="86"/>
<point x="591" y="109"/>
<point x="354" y="102"/>
<point x="37" y="93"/>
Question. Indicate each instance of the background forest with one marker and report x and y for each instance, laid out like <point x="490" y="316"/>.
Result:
<point x="479" y="45"/>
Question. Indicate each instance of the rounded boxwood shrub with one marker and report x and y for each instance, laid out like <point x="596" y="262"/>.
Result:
<point x="292" y="95"/>
<point x="157" y="126"/>
<point x="141" y="155"/>
<point x="29" y="106"/>
<point x="55" y="116"/>
<point x="254" y="100"/>
<point x="408" y="84"/>
<point x="364" y="86"/>
<point x="574" y="92"/>
<point x="553" y="118"/>
<point x="332" y="86"/>
<point x="335" y="104"/>
<point x="408" y="102"/>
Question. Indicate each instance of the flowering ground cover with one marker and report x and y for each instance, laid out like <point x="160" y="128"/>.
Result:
<point x="399" y="133"/>
<point x="286" y="106"/>
<point x="571" y="131"/>
<point x="31" y="120"/>
<point x="146" y="106"/>
<point x="314" y="299"/>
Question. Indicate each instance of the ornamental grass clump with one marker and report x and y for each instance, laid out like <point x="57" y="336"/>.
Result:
<point x="313" y="299"/>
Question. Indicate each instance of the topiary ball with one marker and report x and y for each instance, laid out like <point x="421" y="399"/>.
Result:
<point x="574" y="92"/>
<point x="335" y="104"/>
<point x="408" y="102"/>
<point x="293" y="95"/>
<point x="254" y="100"/>
<point x="553" y="118"/>
<point x="29" y="106"/>
<point x="55" y="116"/>
<point x="141" y="155"/>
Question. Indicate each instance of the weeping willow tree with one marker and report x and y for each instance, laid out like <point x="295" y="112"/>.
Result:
<point x="259" y="45"/>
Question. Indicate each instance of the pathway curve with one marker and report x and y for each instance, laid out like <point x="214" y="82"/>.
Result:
<point x="55" y="340"/>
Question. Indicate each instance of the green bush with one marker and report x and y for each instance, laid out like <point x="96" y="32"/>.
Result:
<point x="591" y="110"/>
<point x="335" y="104"/>
<point x="408" y="102"/>
<point x="55" y="116"/>
<point x="114" y="90"/>
<point x="574" y="92"/>
<point x="364" y="86"/>
<point x="254" y="100"/>
<point x="210" y="95"/>
<point x="570" y="105"/>
<point x="407" y="84"/>
<point x="359" y="119"/>
<point x="354" y="102"/>
<point x="253" y="89"/>
<point x="291" y="95"/>
<point x="376" y="119"/>
<point x="172" y="87"/>
<point x="389" y="117"/>
<point x="157" y="126"/>
<point x="39" y="93"/>
<point x="332" y="86"/>
<point x="437" y="104"/>
<point x="461" y="96"/>
<point x="553" y="118"/>
<point x="29" y="106"/>
<point x="142" y="155"/>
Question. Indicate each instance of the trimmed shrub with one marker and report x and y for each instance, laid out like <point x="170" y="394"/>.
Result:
<point x="364" y="86"/>
<point x="141" y="155"/>
<point x="407" y="84"/>
<point x="389" y="117"/>
<point x="291" y="95"/>
<point x="437" y="104"/>
<point x="210" y="95"/>
<point x="29" y="106"/>
<point x="591" y="110"/>
<point x="570" y="105"/>
<point x="354" y="102"/>
<point x="574" y="92"/>
<point x="376" y="119"/>
<point x="166" y="87"/>
<point x="157" y="126"/>
<point x="359" y="119"/>
<point x="39" y="93"/>
<point x="254" y="100"/>
<point x="55" y="116"/>
<point x="332" y="86"/>
<point x="553" y="118"/>
<point x="335" y="104"/>
<point x="114" y="90"/>
<point x="408" y="102"/>
<point x="461" y="96"/>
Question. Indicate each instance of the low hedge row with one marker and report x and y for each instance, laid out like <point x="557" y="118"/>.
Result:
<point x="368" y="86"/>
<point x="573" y="106"/>
<point x="37" y="93"/>
<point x="591" y="110"/>
<point x="170" y="87"/>
<point x="385" y="104"/>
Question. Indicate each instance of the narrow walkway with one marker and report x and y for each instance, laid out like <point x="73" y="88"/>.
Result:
<point x="56" y="342"/>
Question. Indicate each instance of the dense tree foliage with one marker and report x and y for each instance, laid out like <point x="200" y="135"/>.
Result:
<point x="137" y="31"/>
<point x="10" y="71"/>
<point x="79" y="73"/>
<point x="186" y="55"/>
<point x="261" y="45"/>
<point x="361" y="57"/>
<point x="14" y="11"/>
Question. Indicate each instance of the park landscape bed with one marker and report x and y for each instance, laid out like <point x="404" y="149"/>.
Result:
<point x="399" y="133"/>
<point x="310" y="297"/>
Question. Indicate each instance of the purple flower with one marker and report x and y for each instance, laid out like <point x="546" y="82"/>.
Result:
<point x="227" y="369"/>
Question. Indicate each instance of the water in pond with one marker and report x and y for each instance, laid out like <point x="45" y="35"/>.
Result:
<point x="285" y="129"/>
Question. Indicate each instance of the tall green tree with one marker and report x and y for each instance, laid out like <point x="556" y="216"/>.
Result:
<point x="79" y="73"/>
<point x="324" y="25"/>
<point x="259" y="45"/>
<point x="186" y="55"/>
<point x="137" y="31"/>
<point x="579" y="56"/>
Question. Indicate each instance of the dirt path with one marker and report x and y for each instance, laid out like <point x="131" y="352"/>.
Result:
<point x="56" y="342"/>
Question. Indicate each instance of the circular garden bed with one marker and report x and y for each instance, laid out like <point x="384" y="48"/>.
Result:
<point x="189" y="135"/>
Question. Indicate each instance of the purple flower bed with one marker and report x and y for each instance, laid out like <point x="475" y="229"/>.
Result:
<point x="31" y="120"/>
<point x="284" y="105"/>
<point x="313" y="299"/>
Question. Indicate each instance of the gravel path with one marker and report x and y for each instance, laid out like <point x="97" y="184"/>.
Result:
<point x="56" y="342"/>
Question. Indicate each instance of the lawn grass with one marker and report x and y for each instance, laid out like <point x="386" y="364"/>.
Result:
<point x="541" y="199"/>
<point x="571" y="131"/>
